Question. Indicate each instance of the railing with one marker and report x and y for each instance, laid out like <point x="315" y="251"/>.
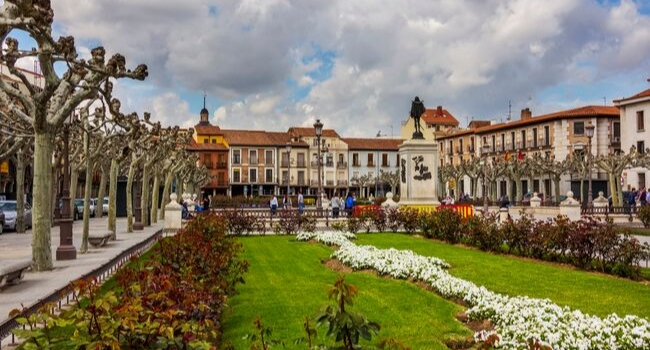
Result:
<point x="301" y="164"/>
<point x="329" y="183"/>
<point x="222" y="165"/>
<point x="341" y="182"/>
<point x="252" y="161"/>
<point x="624" y="210"/>
<point x="329" y="164"/>
<point x="342" y="165"/>
<point x="63" y="295"/>
<point x="265" y="213"/>
<point x="314" y="163"/>
<point x="208" y="165"/>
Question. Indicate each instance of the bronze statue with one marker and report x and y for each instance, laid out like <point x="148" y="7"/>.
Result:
<point x="417" y="109"/>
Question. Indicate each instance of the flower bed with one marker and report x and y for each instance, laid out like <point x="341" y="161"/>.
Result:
<point x="517" y="320"/>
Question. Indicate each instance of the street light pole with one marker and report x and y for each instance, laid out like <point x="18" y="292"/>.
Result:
<point x="289" y="170"/>
<point x="318" y="127"/>
<point x="66" y="250"/>
<point x="590" y="134"/>
<point x="484" y="165"/>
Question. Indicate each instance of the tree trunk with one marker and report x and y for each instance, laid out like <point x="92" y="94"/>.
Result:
<point x="168" y="183"/>
<point x="101" y="193"/>
<point x="129" y="198"/>
<point x="154" y="200"/>
<point x="517" y="197"/>
<point x="612" y="188"/>
<point x="20" y="191"/>
<point x="144" y="196"/>
<point x="112" y="191"/>
<point x="42" y="210"/>
<point x="179" y="189"/>
<point x="74" y="181"/>
<point x="556" y="183"/>
<point x="86" y="223"/>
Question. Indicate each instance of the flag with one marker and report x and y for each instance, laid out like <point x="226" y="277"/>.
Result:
<point x="520" y="156"/>
<point x="506" y="157"/>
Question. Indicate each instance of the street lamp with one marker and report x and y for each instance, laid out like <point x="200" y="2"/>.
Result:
<point x="486" y="149"/>
<point x="66" y="250"/>
<point x="289" y="170"/>
<point x="590" y="134"/>
<point x="318" y="127"/>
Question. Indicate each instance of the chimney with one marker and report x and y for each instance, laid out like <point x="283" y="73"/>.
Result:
<point x="439" y="112"/>
<point x="526" y="113"/>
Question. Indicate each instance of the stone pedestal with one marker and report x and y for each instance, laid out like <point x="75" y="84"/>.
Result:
<point x="503" y="214"/>
<point x="601" y="201"/>
<point x="418" y="172"/>
<point x="570" y="207"/>
<point x="389" y="203"/>
<point x="535" y="201"/>
<point x="173" y="214"/>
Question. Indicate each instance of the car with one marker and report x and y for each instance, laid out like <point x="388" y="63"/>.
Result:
<point x="79" y="205"/>
<point x="10" y="210"/>
<point x="2" y="221"/>
<point x="105" y="206"/>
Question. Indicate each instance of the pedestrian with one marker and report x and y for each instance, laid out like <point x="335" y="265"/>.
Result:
<point x="349" y="204"/>
<point x="274" y="205"/>
<point x="301" y="203"/>
<point x="642" y="197"/>
<point x="336" y="204"/>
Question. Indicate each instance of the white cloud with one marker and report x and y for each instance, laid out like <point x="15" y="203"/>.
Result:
<point x="469" y="56"/>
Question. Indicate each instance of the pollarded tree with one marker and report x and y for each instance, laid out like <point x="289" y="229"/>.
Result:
<point x="554" y="169"/>
<point x="391" y="178"/>
<point x="361" y="182"/>
<point x="517" y="169"/>
<point x="18" y="148"/>
<point x="614" y="164"/>
<point x="474" y="170"/>
<point x="47" y="108"/>
<point x="451" y="172"/>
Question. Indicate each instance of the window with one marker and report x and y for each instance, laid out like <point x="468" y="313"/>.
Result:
<point x="301" y="159"/>
<point x="640" y="147"/>
<point x="641" y="180"/>
<point x="206" y="140"/>
<point x="371" y="161"/>
<point x="384" y="159"/>
<point x="214" y="140"/>
<point x="578" y="128"/>
<point x="355" y="159"/>
<point x="534" y="137"/>
<point x="301" y="178"/>
<point x="269" y="176"/>
<point x="523" y="138"/>
<point x="640" y="126"/>
<point x="236" y="156"/>
<point x="252" y="175"/>
<point x="512" y="140"/>
<point x="547" y="135"/>
<point x="617" y="130"/>
<point x="284" y="176"/>
<point x="268" y="157"/>
<point x="236" y="175"/>
<point x="252" y="157"/>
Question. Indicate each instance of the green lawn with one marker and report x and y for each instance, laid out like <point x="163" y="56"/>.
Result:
<point x="287" y="282"/>
<point x="589" y="292"/>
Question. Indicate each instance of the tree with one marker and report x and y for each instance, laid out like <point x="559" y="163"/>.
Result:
<point x="474" y="170"/>
<point x="391" y="178"/>
<point x="516" y="169"/>
<point x="614" y="164"/>
<point x="361" y="182"/>
<point x="46" y="109"/>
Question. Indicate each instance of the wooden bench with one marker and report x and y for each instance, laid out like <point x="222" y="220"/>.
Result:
<point x="99" y="240"/>
<point x="12" y="271"/>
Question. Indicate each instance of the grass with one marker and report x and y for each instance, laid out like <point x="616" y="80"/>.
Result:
<point x="287" y="282"/>
<point x="589" y="292"/>
<point x="639" y="231"/>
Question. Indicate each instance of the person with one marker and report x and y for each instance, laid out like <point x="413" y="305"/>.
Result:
<point x="206" y="203"/>
<point x="274" y="205"/>
<point x="504" y="202"/>
<point x="417" y="109"/>
<point x="301" y="203"/>
<point x="642" y="195"/>
<point x="349" y="203"/>
<point x="184" y="211"/>
<point x="336" y="204"/>
<point x="286" y="204"/>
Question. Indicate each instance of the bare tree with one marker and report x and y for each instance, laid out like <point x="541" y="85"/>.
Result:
<point x="46" y="109"/>
<point x="391" y="178"/>
<point x="614" y="164"/>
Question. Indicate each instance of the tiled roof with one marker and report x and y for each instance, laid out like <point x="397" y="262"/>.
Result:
<point x="645" y="93"/>
<point x="209" y="129"/>
<point x="195" y="146"/>
<point x="580" y="112"/>
<point x="375" y="144"/>
<point x="310" y="132"/>
<point x="438" y="116"/>
<point x="259" y="138"/>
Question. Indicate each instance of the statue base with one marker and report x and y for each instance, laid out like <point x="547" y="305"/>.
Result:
<point x="418" y="136"/>
<point x="419" y="173"/>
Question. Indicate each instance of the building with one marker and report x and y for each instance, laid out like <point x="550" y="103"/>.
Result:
<point x="558" y="135"/>
<point x="208" y="141"/>
<point x="369" y="157"/>
<point x="634" y="111"/>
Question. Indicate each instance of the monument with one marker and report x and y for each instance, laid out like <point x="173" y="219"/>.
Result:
<point x="418" y="165"/>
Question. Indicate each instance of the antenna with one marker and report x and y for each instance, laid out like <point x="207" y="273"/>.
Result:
<point x="509" y="109"/>
<point x="204" y="95"/>
<point x="604" y="101"/>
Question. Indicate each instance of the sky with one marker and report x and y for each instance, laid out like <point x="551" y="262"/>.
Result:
<point x="356" y="65"/>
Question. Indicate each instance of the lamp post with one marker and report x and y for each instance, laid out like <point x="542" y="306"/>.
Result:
<point x="318" y="127"/>
<point x="289" y="170"/>
<point x="486" y="148"/>
<point x="66" y="250"/>
<point x="590" y="134"/>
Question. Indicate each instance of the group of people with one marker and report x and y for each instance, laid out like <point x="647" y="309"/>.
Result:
<point x="642" y="197"/>
<point x="336" y="203"/>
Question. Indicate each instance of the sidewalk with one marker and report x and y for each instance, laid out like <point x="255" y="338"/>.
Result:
<point x="37" y="285"/>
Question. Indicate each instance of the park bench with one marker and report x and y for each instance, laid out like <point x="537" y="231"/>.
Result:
<point x="12" y="271"/>
<point x="99" y="239"/>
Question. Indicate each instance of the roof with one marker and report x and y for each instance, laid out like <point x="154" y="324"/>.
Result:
<point x="580" y="112"/>
<point x="195" y="146"/>
<point x="439" y="116"/>
<point x="259" y="138"/>
<point x="374" y="144"/>
<point x="311" y="132"/>
<point x="207" y="129"/>
<point x="645" y="93"/>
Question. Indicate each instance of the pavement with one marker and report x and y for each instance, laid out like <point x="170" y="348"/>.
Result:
<point x="37" y="285"/>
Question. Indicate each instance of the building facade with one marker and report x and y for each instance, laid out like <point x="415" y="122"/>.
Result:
<point x="368" y="159"/>
<point x="634" y="113"/>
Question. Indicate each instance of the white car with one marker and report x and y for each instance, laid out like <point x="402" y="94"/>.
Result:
<point x="10" y="211"/>
<point x="105" y="206"/>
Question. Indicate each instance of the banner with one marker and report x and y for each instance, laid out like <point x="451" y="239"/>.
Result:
<point x="4" y="167"/>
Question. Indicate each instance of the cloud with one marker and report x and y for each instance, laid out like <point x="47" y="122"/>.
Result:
<point x="356" y="65"/>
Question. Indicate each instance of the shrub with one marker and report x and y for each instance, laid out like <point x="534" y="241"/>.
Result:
<point x="394" y="219"/>
<point x="238" y="222"/>
<point x="643" y="213"/>
<point x="409" y="219"/>
<point x="289" y="222"/>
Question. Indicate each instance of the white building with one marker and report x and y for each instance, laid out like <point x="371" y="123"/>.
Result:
<point x="370" y="157"/>
<point x="634" y="111"/>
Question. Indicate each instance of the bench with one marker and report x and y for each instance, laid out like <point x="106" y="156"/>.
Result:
<point x="99" y="240"/>
<point x="12" y="271"/>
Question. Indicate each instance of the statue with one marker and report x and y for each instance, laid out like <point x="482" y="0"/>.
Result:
<point x="417" y="109"/>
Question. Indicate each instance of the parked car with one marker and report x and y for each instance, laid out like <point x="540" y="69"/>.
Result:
<point x="10" y="210"/>
<point x="105" y="206"/>
<point x="79" y="204"/>
<point x="2" y="221"/>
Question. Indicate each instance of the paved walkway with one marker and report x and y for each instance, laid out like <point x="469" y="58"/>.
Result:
<point x="37" y="285"/>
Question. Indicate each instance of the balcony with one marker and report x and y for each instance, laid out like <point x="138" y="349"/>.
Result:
<point x="385" y="165"/>
<point x="371" y="164"/>
<point x="341" y="182"/>
<point x="329" y="164"/>
<point x="301" y="164"/>
<point x="342" y="165"/>
<point x="313" y="183"/>
<point x="450" y="152"/>
<point x="616" y="141"/>
<point x="357" y="164"/>
<point x="252" y="161"/>
<point x="314" y="164"/>
<point x="222" y="165"/>
<point x="458" y="150"/>
<point x="302" y="182"/>
<point x="269" y="162"/>
<point x="208" y="165"/>
<point x="470" y="149"/>
<point x="284" y="163"/>
<point x="329" y="183"/>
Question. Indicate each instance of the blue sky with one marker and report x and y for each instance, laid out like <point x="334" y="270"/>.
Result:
<point x="273" y="64"/>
